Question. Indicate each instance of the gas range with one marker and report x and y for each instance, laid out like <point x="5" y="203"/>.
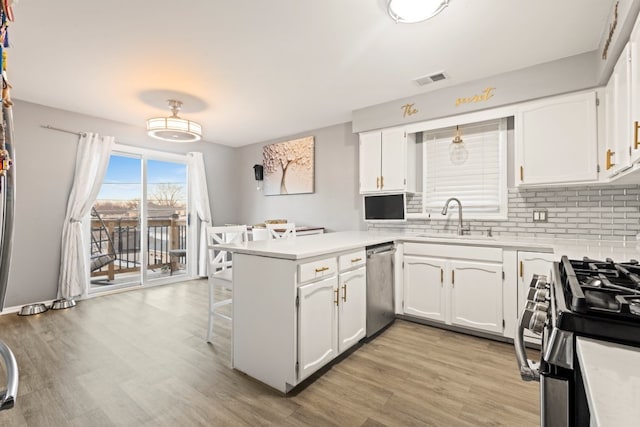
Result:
<point x="590" y="298"/>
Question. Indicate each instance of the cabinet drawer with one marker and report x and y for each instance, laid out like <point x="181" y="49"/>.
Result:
<point x="317" y="269"/>
<point x="352" y="259"/>
<point x="454" y="251"/>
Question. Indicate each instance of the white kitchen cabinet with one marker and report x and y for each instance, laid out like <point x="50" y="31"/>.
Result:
<point x="383" y="161"/>
<point x="370" y="161"/>
<point x="317" y="325"/>
<point x="530" y="263"/>
<point x="291" y="317"/>
<point x="616" y="155"/>
<point x="551" y="131"/>
<point x="476" y="295"/>
<point x="634" y="53"/>
<point x="352" y="308"/>
<point x="424" y="293"/>
<point x="332" y="309"/>
<point x="456" y="285"/>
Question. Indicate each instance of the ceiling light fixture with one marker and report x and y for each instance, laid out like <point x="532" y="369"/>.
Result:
<point x="412" y="11"/>
<point x="174" y="128"/>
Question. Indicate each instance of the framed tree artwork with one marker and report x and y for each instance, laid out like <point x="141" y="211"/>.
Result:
<point x="289" y="167"/>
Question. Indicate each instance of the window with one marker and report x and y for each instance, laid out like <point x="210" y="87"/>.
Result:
<point x="474" y="173"/>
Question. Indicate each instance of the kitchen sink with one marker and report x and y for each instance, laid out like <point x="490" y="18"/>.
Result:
<point x="472" y="236"/>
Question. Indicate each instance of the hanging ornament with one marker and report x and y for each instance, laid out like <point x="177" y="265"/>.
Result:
<point x="7" y="9"/>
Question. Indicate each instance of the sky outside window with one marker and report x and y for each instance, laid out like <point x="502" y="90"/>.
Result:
<point x="122" y="181"/>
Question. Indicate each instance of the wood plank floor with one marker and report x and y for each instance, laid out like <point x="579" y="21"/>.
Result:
<point x="140" y="358"/>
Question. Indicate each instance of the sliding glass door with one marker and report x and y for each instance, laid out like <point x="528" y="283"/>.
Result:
<point x="139" y="222"/>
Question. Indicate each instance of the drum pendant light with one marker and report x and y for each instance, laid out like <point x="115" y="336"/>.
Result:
<point x="174" y="128"/>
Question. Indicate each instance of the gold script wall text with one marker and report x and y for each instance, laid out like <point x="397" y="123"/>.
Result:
<point x="408" y="110"/>
<point x="484" y="96"/>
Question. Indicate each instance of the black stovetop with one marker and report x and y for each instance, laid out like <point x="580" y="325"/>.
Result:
<point x="599" y="299"/>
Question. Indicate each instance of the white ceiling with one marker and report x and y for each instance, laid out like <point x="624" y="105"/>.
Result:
<point x="254" y="70"/>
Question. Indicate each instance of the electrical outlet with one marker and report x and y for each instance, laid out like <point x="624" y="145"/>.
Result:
<point x="540" y="215"/>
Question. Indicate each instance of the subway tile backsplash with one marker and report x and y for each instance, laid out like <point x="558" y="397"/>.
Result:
<point x="598" y="213"/>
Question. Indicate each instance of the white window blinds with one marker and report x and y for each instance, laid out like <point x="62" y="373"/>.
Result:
<point x="475" y="173"/>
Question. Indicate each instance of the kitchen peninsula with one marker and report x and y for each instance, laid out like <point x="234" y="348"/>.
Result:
<point x="298" y="303"/>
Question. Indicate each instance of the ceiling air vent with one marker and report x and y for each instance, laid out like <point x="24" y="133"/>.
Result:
<point x="432" y="78"/>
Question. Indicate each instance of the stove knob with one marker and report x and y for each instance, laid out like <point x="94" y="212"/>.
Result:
<point x="537" y="306"/>
<point x="538" y="282"/>
<point x="536" y="323"/>
<point x="538" y="295"/>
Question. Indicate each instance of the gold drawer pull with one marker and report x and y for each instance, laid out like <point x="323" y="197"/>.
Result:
<point x="356" y="259"/>
<point x="321" y="269"/>
<point x="377" y="182"/>
<point x="337" y="297"/>
<point x="441" y="276"/>
<point x="453" y="277"/>
<point x="636" y="143"/>
<point x="344" y="292"/>
<point x="381" y="182"/>
<point x="521" y="173"/>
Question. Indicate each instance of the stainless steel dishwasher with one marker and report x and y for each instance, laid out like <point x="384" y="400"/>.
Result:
<point x="380" y="303"/>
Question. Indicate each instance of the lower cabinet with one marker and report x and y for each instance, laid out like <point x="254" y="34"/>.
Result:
<point x="352" y="308"/>
<point x="424" y="293"/>
<point x="476" y="295"/>
<point x="331" y="318"/>
<point x="455" y="291"/>
<point x="317" y="325"/>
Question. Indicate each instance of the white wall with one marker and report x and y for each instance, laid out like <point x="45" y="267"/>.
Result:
<point x="335" y="204"/>
<point x="44" y="163"/>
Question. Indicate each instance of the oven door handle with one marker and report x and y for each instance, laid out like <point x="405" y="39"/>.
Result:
<point x="529" y="370"/>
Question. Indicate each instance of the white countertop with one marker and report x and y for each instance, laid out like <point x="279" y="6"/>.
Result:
<point x="611" y="374"/>
<point x="309" y="246"/>
<point x="320" y="244"/>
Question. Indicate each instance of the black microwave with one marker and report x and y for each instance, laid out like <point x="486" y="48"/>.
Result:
<point x="385" y="207"/>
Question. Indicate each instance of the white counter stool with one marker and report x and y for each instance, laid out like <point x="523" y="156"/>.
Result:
<point x="220" y="266"/>
<point x="282" y="231"/>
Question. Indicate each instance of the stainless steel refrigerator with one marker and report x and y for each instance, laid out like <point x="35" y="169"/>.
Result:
<point x="7" y="210"/>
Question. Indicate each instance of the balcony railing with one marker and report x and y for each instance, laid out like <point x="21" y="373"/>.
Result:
<point x="163" y="236"/>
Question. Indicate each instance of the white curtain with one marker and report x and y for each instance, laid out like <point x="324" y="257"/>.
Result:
<point x="198" y="181"/>
<point x="92" y="158"/>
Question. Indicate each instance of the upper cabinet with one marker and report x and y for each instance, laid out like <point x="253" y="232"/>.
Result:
<point x="383" y="161"/>
<point x="556" y="140"/>
<point x="634" y="81"/>
<point x="616" y="155"/>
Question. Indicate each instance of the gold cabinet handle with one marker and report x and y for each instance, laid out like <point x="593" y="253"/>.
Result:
<point x="609" y="163"/>
<point x="636" y="143"/>
<point x="381" y="182"/>
<point x="453" y="278"/>
<point x="344" y="292"/>
<point x="356" y="259"/>
<point x="377" y="182"/>
<point x="521" y="173"/>
<point x="321" y="269"/>
<point x="521" y="269"/>
<point x="441" y="276"/>
<point x="337" y="297"/>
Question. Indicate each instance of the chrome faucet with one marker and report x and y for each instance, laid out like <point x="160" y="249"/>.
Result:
<point x="461" y="228"/>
